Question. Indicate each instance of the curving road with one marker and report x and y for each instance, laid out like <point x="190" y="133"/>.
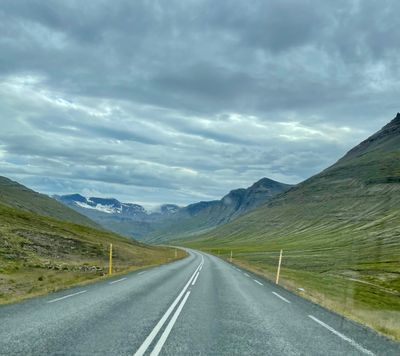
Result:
<point x="197" y="306"/>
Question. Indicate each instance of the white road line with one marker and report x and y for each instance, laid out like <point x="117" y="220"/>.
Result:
<point x="118" y="280"/>
<point x="279" y="296"/>
<point x="143" y="348"/>
<point x="66" y="296"/>
<point x="337" y="333"/>
<point x="169" y="327"/>
<point x="246" y="274"/>
<point x="255" y="280"/>
<point x="141" y="273"/>
<point x="195" y="278"/>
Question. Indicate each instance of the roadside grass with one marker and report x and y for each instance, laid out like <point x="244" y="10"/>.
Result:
<point x="39" y="255"/>
<point x="368" y="293"/>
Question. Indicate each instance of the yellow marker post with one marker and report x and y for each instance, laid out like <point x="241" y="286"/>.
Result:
<point x="279" y="268"/>
<point x="176" y="253"/>
<point x="231" y="256"/>
<point x="110" y="263"/>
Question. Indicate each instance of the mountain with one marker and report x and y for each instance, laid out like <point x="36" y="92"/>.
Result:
<point x="40" y="251"/>
<point x="15" y="195"/>
<point x="128" y="219"/>
<point x="197" y="218"/>
<point x="102" y="205"/>
<point x="172" y="220"/>
<point x="339" y="231"/>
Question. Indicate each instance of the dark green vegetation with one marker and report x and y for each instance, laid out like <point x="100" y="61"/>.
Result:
<point x="340" y="232"/>
<point x="18" y="196"/>
<point x="39" y="254"/>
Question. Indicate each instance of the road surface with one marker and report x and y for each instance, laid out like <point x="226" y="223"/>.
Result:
<point x="197" y="306"/>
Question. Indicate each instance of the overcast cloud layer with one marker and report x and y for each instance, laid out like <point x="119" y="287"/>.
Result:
<point x="180" y="101"/>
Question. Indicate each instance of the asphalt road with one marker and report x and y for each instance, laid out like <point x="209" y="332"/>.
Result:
<point x="197" y="306"/>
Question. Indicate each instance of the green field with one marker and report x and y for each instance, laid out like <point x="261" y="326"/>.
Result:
<point x="41" y="254"/>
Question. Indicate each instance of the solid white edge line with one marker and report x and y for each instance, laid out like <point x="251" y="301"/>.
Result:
<point x="146" y="343"/>
<point x="169" y="327"/>
<point x="67" y="296"/>
<point x="279" y="296"/>
<point x="118" y="280"/>
<point x="195" y="278"/>
<point x="246" y="274"/>
<point x="141" y="273"/>
<point x="343" y="337"/>
<point x="255" y="280"/>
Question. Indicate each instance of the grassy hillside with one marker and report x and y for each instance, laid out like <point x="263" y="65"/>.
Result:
<point x="40" y="254"/>
<point x="18" y="196"/>
<point x="340" y="232"/>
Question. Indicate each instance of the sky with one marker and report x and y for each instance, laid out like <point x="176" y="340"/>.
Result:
<point x="180" y="101"/>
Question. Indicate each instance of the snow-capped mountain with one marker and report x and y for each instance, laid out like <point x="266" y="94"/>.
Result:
<point x="103" y="205"/>
<point x="169" y="219"/>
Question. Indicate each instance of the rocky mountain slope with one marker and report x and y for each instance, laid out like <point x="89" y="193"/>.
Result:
<point x="196" y="218"/>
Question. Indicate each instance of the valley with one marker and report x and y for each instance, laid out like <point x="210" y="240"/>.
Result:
<point x="170" y="220"/>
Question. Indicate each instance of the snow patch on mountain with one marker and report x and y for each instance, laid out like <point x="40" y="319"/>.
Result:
<point x="109" y="209"/>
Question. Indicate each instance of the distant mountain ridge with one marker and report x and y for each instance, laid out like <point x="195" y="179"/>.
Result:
<point x="134" y="220"/>
<point x="104" y="205"/>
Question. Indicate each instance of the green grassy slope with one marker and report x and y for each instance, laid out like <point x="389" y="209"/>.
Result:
<point x="18" y="196"/>
<point x="340" y="232"/>
<point x="40" y="254"/>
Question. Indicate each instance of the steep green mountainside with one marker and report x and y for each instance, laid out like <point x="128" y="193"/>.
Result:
<point x="340" y="233"/>
<point x="18" y="196"/>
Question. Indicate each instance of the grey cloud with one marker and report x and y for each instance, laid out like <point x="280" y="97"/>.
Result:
<point x="185" y="98"/>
